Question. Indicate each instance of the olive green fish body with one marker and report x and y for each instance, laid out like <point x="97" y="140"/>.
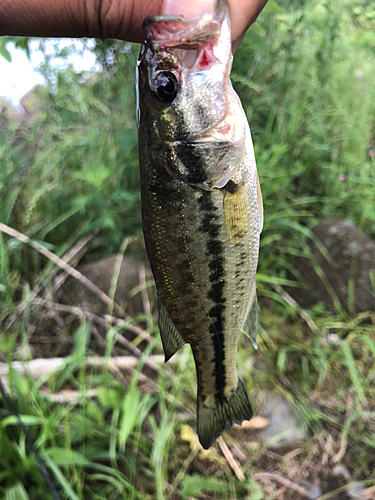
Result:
<point x="201" y="218"/>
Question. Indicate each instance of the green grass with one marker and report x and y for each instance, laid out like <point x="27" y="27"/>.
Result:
<point x="305" y="80"/>
<point x="305" y="76"/>
<point x="125" y="442"/>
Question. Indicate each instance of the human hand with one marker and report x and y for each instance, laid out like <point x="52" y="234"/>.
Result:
<point x="120" y="19"/>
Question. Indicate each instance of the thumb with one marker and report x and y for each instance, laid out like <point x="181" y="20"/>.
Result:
<point x="187" y="8"/>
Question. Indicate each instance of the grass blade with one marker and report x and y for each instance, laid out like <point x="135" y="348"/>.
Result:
<point x="350" y="363"/>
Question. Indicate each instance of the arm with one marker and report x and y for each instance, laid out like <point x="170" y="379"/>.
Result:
<point x="120" y="19"/>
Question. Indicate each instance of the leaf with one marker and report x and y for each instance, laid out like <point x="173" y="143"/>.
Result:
<point x="255" y="423"/>
<point x="275" y="280"/>
<point x="255" y="489"/>
<point x="274" y="7"/>
<point x="194" y="486"/>
<point x="22" y="43"/>
<point x="350" y="363"/>
<point x="95" y="176"/>
<point x="281" y="361"/>
<point x="16" y="492"/>
<point x="65" y="457"/>
<point x="25" y="419"/>
<point x="135" y="409"/>
<point x="59" y="476"/>
<point x="188" y="434"/>
<point x="130" y="410"/>
<point x="22" y="385"/>
<point x="370" y="344"/>
<point x="4" y="51"/>
<point x="109" y="398"/>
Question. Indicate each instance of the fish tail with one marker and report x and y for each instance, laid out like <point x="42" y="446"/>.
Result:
<point x="229" y="409"/>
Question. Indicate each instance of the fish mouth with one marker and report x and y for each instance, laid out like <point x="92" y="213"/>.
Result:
<point x="172" y="31"/>
<point x="190" y="40"/>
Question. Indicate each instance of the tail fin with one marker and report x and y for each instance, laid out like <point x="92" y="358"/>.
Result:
<point x="232" y="409"/>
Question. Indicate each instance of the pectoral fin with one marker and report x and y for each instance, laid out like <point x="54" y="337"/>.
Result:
<point x="260" y="204"/>
<point x="170" y="336"/>
<point x="249" y="327"/>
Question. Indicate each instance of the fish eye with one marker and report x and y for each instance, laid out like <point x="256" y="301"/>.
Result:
<point x="166" y="86"/>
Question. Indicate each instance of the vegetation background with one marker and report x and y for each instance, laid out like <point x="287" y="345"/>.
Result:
<point x="305" y="75"/>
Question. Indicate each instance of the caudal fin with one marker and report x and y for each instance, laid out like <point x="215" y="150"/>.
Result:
<point x="234" y="408"/>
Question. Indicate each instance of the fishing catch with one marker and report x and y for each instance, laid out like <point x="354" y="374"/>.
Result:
<point x="201" y="205"/>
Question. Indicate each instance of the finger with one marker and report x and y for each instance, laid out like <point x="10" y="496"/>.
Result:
<point x="77" y="18"/>
<point x="110" y="18"/>
<point x="126" y="24"/>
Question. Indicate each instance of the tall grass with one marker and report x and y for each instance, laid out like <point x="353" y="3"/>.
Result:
<point x="305" y="78"/>
<point x="125" y="443"/>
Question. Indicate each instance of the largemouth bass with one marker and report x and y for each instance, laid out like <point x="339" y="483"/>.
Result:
<point x="201" y="205"/>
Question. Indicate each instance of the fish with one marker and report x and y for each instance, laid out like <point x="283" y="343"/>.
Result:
<point x="202" y="206"/>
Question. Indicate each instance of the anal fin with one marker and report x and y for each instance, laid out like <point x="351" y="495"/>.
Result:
<point x="170" y="336"/>
<point x="250" y="325"/>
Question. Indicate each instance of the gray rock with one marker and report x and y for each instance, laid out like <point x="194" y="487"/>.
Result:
<point x="101" y="273"/>
<point x="349" y="250"/>
<point x="341" y="470"/>
<point x="314" y="491"/>
<point x="356" y="491"/>
<point x="285" y="425"/>
<point x="32" y="102"/>
<point x="9" y="111"/>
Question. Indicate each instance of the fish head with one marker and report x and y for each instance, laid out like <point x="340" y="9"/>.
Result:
<point x="186" y="99"/>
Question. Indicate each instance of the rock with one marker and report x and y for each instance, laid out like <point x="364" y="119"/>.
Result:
<point x="9" y="111"/>
<point x="285" y="426"/>
<point x="32" y="102"/>
<point x="314" y="491"/>
<point x="101" y="273"/>
<point x="331" y="338"/>
<point x="355" y="491"/>
<point x="350" y="251"/>
<point x="341" y="470"/>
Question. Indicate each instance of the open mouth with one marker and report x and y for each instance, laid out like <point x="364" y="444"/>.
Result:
<point x="176" y="31"/>
<point x="196" y="58"/>
<point x="187" y="56"/>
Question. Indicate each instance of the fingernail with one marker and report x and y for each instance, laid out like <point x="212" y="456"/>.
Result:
<point x="187" y="8"/>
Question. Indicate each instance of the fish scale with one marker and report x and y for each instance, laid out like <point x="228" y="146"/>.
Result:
<point x="201" y="208"/>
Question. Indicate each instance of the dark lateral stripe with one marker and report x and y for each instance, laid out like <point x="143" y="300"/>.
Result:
<point x="210" y="225"/>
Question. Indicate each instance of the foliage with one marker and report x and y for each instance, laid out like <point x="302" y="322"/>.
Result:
<point x="18" y="42"/>
<point x="76" y="168"/>
<point x="306" y="84"/>
<point x="126" y="444"/>
<point x="304" y="75"/>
